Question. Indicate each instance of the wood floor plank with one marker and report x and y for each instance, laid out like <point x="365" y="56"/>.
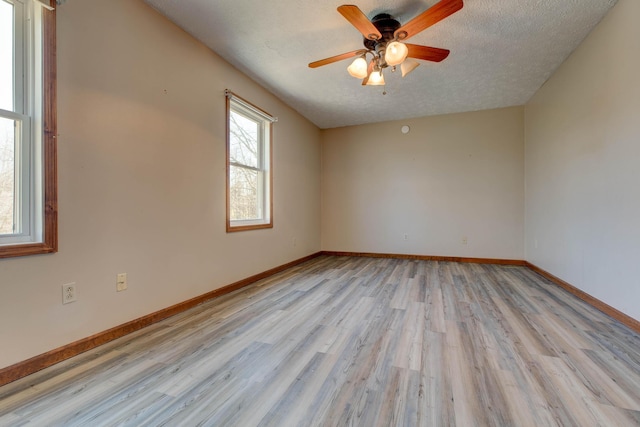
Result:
<point x="585" y="410"/>
<point x="436" y="397"/>
<point x="523" y="411"/>
<point x="356" y="341"/>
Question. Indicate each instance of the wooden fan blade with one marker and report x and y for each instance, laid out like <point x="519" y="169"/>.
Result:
<point x="427" y="53"/>
<point x="336" y="58"/>
<point x="354" y="15"/>
<point x="431" y="16"/>
<point x="369" y="71"/>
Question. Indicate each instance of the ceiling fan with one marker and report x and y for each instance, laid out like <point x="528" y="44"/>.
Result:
<point x="383" y="40"/>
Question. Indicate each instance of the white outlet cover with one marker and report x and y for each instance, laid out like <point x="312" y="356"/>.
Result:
<point x="69" y="293"/>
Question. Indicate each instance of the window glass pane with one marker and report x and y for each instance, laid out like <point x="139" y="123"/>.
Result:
<point x="6" y="56"/>
<point x="7" y="175"/>
<point x="243" y="140"/>
<point x="243" y="194"/>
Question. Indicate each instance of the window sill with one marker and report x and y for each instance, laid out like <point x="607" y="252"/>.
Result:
<point x="234" y="228"/>
<point x="9" y="251"/>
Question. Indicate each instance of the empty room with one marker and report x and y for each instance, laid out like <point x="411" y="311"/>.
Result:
<point x="296" y="213"/>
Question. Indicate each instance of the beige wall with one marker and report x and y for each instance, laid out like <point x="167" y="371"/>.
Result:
<point x="583" y="165"/>
<point x="142" y="181"/>
<point x="452" y="176"/>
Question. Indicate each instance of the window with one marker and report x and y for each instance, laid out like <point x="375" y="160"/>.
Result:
<point x="248" y="166"/>
<point x="28" y="207"/>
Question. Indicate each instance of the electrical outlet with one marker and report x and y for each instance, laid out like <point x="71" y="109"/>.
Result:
<point x="68" y="293"/>
<point x="295" y="242"/>
<point x="464" y="240"/>
<point x="121" y="282"/>
<point x="406" y="236"/>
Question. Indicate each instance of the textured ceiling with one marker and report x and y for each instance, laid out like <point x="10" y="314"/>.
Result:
<point x="502" y="51"/>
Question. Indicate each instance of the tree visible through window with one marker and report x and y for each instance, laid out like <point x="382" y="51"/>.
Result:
<point x="248" y="166"/>
<point x="244" y="171"/>
<point x="7" y="177"/>
<point x="9" y="44"/>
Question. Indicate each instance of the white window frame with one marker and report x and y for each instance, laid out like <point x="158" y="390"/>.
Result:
<point x="264" y="120"/>
<point x="35" y="192"/>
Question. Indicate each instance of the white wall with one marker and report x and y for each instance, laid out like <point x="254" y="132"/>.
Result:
<point x="141" y="118"/>
<point x="583" y="165"/>
<point x="452" y="176"/>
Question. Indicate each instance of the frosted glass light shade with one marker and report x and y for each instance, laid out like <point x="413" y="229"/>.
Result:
<point x="376" y="79"/>
<point x="358" y="68"/>
<point x="396" y="53"/>
<point x="408" y="66"/>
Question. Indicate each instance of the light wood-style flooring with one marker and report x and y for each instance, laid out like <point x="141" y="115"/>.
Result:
<point x="356" y="341"/>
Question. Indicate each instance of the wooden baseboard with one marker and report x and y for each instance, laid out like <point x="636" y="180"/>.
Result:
<point x="591" y="300"/>
<point x="429" y="258"/>
<point x="37" y="363"/>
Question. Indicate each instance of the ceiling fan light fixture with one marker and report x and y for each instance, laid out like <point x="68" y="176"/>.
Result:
<point x="383" y="39"/>
<point x="408" y="66"/>
<point x="396" y="53"/>
<point x="358" y="68"/>
<point x="376" y="78"/>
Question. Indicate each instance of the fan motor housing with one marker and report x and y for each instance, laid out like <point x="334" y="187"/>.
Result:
<point x="387" y="25"/>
